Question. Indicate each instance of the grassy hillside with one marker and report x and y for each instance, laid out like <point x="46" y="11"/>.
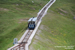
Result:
<point x="13" y="19"/>
<point x="57" y="30"/>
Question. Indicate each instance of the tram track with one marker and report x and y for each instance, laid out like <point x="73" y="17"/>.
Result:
<point x="42" y="12"/>
<point x="24" y="41"/>
<point x="22" y="44"/>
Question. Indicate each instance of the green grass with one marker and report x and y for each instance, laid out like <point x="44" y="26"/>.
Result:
<point x="57" y="28"/>
<point x="14" y="15"/>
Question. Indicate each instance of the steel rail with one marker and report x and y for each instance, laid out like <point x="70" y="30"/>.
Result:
<point x="23" y="42"/>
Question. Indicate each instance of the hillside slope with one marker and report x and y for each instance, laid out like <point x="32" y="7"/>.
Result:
<point x="57" y="30"/>
<point x="14" y="15"/>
